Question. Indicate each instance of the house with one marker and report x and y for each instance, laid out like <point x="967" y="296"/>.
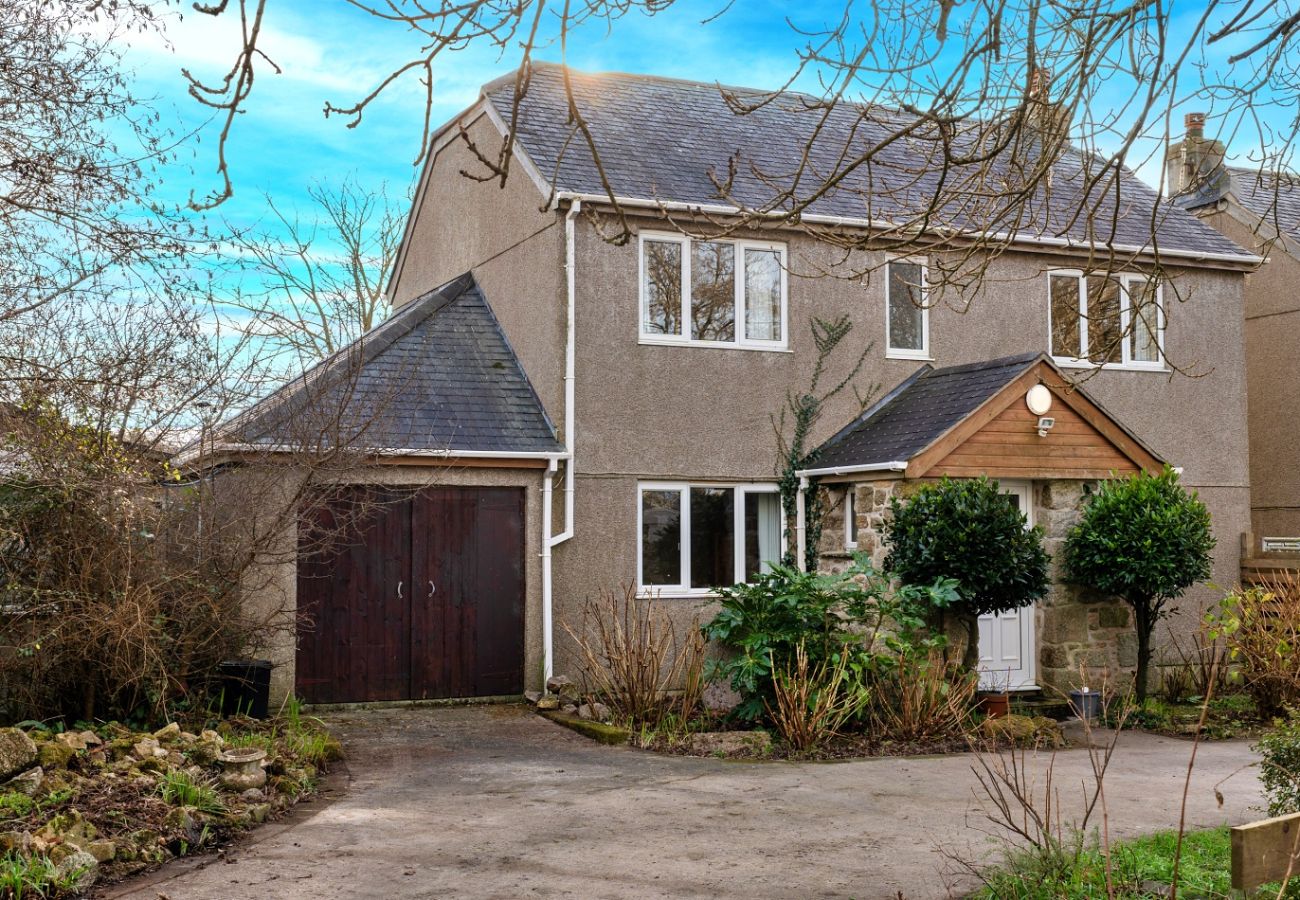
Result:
<point x="1260" y="210"/>
<point x="660" y="361"/>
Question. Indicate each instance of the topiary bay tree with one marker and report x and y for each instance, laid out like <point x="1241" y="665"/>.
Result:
<point x="1143" y="539"/>
<point x="969" y="531"/>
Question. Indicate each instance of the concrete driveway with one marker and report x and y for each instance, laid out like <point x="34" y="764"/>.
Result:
<point x="498" y="802"/>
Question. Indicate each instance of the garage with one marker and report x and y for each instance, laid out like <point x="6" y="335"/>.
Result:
<point x="411" y="595"/>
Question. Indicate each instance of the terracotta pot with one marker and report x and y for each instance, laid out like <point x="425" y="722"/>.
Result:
<point x="995" y="705"/>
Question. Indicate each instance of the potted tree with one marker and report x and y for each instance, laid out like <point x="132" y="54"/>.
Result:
<point x="1146" y="540"/>
<point x="971" y="532"/>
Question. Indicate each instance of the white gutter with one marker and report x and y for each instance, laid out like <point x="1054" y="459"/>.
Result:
<point x="548" y="636"/>
<point x="894" y="466"/>
<point x="800" y="526"/>
<point x="716" y="209"/>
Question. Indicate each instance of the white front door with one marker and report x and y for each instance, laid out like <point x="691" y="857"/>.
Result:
<point x="1007" y="639"/>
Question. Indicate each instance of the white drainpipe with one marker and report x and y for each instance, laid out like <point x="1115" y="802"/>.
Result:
<point x="801" y="525"/>
<point x="570" y="430"/>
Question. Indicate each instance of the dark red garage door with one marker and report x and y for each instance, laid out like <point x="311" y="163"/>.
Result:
<point x="416" y="596"/>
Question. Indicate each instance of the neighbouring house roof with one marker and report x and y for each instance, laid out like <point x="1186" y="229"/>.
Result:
<point x="438" y="376"/>
<point x="1274" y="197"/>
<point x="920" y="428"/>
<point x="668" y="140"/>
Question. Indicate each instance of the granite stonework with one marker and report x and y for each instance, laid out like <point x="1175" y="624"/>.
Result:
<point x="1082" y="636"/>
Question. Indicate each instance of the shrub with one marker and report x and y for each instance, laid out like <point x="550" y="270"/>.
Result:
<point x="1146" y="540"/>
<point x="179" y="788"/>
<point x="857" y="615"/>
<point x="1279" y="768"/>
<point x="1260" y="627"/>
<point x="812" y="704"/>
<point x="968" y="531"/>
<point x="632" y="656"/>
<point x="924" y="699"/>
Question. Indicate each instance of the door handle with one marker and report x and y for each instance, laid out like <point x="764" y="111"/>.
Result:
<point x="399" y="590"/>
<point x="431" y="589"/>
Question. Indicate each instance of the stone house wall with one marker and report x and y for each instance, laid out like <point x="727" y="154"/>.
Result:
<point x="1081" y="635"/>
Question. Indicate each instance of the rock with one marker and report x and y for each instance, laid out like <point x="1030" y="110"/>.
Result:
<point x="188" y="737"/>
<point x="184" y="823"/>
<point x="213" y="737"/>
<point x="532" y="696"/>
<point x="17" y="752"/>
<point x="167" y="732"/>
<point x="597" y="712"/>
<point x="548" y="703"/>
<point x="570" y="709"/>
<point x="718" y="697"/>
<point x="204" y="751"/>
<point x="55" y="755"/>
<point x="28" y="783"/>
<point x="563" y="687"/>
<point x="80" y="869"/>
<point x="259" y="812"/>
<point x="15" y="841"/>
<point x="729" y="743"/>
<point x="73" y="740"/>
<point x="103" y="851"/>
<point x="252" y="795"/>
<point x="1037" y="731"/>
<point x="91" y="739"/>
<point x="145" y="748"/>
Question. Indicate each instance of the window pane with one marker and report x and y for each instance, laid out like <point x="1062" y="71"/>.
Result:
<point x="1146" y="320"/>
<point x="713" y="555"/>
<point x="1065" y="316"/>
<point x="713" y="291"/>
<point x="905" y="298"/>
<point x="1104" y="330"/>
<point x="661" y="537"/>
<point x="762" y="532"/>
<point x="663" y="288"/>
<point x="850" y="516"/>
<point x="762" y="295"/>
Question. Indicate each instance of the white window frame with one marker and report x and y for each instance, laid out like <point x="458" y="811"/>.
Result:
<point x="892" y="352"/>
<point x="740" y="340"/>
<point x="683" y="588"/>
<point x="1125" y="320"/>
<point x="849" y="513"/>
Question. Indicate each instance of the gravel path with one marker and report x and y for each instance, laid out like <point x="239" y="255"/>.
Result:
<point x="494" y="801"/>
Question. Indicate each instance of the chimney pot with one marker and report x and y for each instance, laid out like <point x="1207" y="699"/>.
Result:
<point x="1195" y="124"/>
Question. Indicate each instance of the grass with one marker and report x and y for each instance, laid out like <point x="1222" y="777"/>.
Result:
<point x="29" y="877"/>
<point x="179" y="788"/>
<point x="1204" y="870"/>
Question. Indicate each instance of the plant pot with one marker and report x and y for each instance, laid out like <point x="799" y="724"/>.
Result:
<point x="1085" y="704"/>
<point x="995" y="704"/>
<point x="242" y="768"/>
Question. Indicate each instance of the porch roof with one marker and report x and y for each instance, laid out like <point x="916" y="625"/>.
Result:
<point x="965" y="420"/>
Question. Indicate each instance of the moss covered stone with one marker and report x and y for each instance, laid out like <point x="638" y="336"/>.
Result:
<point x="597" y="731"/>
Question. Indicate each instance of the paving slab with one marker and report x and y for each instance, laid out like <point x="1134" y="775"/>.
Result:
<point x="497" y="802"/>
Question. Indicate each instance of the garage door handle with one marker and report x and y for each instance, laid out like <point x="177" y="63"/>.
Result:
<point x="431" y="588"/>
<point x="399" y="590"/>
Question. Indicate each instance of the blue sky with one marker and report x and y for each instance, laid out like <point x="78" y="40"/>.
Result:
<point x="329" y="50"/>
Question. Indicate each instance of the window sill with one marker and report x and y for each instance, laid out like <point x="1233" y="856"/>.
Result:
<point x="903" y="354"/>
<point x="650" y="593"/>
<point x="712" y="345"/>
<point x="1110" y="367"/>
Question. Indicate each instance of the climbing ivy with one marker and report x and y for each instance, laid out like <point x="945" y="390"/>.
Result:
<point x="799" y="415"/>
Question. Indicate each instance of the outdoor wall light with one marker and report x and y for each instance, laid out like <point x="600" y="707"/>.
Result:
<point x="1039" y="400"/>
<point x="1045" y="424"/>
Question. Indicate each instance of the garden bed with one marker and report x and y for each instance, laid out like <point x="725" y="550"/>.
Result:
<point x="107" y="802"/>
<point x="1230" y="717"/>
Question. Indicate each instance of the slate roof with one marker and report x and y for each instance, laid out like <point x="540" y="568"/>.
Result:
<point x="912" y="416"/>
<point x="439" y="375"/>
<point x="661" y="138"/>
<point x="1273" y="196"/>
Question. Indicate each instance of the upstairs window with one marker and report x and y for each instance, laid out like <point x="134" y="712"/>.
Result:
<point x="720" y="293"/>
<point x="907" y="319"/>
<point x="696" y="537"/>
<point x="1106" y="320"/>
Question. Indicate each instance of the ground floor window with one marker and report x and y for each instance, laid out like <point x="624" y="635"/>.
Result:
<point x="696" y="537"/>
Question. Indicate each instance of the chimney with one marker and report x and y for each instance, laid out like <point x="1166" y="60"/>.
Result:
<point x="1050" y="119"/>
<point x="1194" y="163"/>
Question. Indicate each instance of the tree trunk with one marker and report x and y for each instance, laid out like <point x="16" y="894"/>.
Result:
<point x="1144" y="623"/>
<point x="970" y="660"/>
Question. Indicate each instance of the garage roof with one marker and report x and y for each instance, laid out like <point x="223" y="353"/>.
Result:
<point x="438" y="376"/>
